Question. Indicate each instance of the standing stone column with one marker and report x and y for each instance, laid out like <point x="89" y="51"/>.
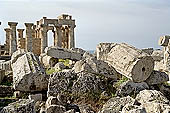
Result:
<point x="20" y="33"/>
<point x="58" y="36"/>
<point x="8" y="33"/>
<point x="29" y="36"/>
<point x="54" y="37"/>
<point x="13" y="37"/>
<point x="164" y="41"/>
<point x="71" y="41"/>
<point x="43" y="36"/>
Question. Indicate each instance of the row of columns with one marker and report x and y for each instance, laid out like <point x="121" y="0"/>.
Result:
<point x="11" y="39"/>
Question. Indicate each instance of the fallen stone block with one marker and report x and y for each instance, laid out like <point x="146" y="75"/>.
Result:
<point x="130" y="62"/>
<point x="152" y="107"/>
<point x="61" y="53"/>
<point x="115" y="105"/>
<point x="28" y="74"/>
<point x="151" y="96"/>
<point x="128" y="108"/>
<point x="21" y="106"/>
<point x="92" y="65"/>
<point x="131" y="88"/>
<point x="157" y="77"/>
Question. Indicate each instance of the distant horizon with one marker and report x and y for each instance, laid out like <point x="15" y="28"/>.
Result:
<point x="139" y="23"/>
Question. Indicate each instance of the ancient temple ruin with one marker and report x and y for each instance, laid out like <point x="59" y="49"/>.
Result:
<point x="36" y="38"/>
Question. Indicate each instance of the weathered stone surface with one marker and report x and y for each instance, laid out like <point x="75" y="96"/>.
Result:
<point x="28" y="74"/>
<point x="157" y="77"/>
<point x="2" y="75"/>
<point x="48" y="61"/>
<point x="86" y="109"/>
<point x="152" y="107"/>
<point x="78" y="50"/>
<point x="159" y="65"/>
<point x="35" y="97"/>
<point x="92" y="65"/>
<point x="103" y="49"/>
<point x="87" y="83"/>
<point x="55" y="109"/>
<point x="128" y="108"/>
<point x="115" y="105"/>
<point x="60" y="82"/>
<point x="17" y="54"/>
<point x="131" y="88"/>
<point x="59" y="66"/>
<point x="130" y="61"/>
<point x="157" y="55"/>
<point x="62" y="53"/>
<point x="6" y="91"/>
<point x="151" y="96"/>
<point x="148" y="50"/>
<point x="21" y="106"/>
<point x="87" y="55"/>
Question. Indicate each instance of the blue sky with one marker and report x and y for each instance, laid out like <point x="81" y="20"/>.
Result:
<point x="137" y="22"/>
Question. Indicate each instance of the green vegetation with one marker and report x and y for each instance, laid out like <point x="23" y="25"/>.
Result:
<point x="6" y="83"/>
<point x="66" y="62"/>
<point x="50" y="71"/>
<point x="122" y="80"/>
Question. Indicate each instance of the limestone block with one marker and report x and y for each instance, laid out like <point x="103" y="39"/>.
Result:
<point x="35" y="97"/>
<point x="60" y="82"/>
<point x="55" y="109"/>
<point x="130" y="62"/>
<point x="115" y="105"/>
<point x="157" y="55"/>
<point x="152" y="107"/>
<point x="131" y="88"/>
<point x="151" y="96"/>
<point x="157" y="77"/>
<point x="48" y="61"/>
<point x="78" y="50"/>
<point x="17" y="54"/>
<point x="103" y="49"/>
<point x="92" y="65"/>
<point x="164" y="40"/>
<point x="148" y="50"/>
<point x="28" y="74"/>
<point x="2" y="75"/>
<point x="61" y="53"/>
<point x="21" y="106"/>
<point x="128" y="108"/>
<point x="159" y="65"/>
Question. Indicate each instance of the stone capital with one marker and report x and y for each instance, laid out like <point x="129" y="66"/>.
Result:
<point x="7" y="29"/>
<point x="20" y="30"/>
<point x="58" y="26"/>
<point x="29" y="24"/>
<point x="12" y="23"/>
